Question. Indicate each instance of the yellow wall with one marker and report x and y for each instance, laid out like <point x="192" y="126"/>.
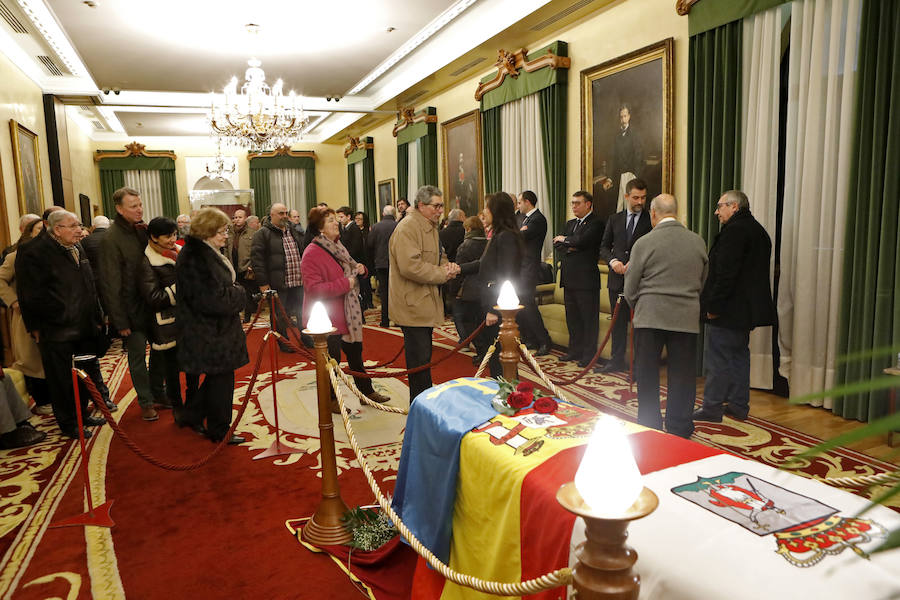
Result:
<point x="85" y="177"/>
<point x="612" y="31"/>
<point x="20" y="99"/>
<point x="331" y="170"/>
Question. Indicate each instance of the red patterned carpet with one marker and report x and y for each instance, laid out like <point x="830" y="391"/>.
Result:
<point x="220" y="530"/>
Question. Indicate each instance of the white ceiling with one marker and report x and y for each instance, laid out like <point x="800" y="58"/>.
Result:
<point x="164" y="57"/>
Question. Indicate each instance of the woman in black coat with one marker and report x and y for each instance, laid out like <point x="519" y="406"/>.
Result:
<point x="156" y="283"/>
<point x="210" y="338"/>
<point x="466" y="290"/>
<point x="501" y="261"/>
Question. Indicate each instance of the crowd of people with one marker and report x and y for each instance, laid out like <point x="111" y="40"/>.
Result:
<point x="179" y="285"/>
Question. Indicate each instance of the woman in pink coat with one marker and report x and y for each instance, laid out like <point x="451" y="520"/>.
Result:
<point x="329" y="276"/>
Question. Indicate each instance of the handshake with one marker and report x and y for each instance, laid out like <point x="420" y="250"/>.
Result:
<point x="451" y="269"/>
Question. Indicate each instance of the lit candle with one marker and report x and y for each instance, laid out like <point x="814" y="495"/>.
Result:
<point x="608" y="478"/>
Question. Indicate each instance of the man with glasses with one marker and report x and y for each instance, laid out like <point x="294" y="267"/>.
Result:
<point x="579" y="247"/>
<point x="275" y="255"/>
<point x="736" y="298"/>
<point x="417" y="269"/>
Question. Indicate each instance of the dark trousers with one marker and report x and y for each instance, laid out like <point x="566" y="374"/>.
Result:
<point x="417" y="347"/>
<point x="250" y="289"/>
<point x="681" y="350"/>
<point x="530" y="321"/>
<point x="164" y="380"/>
<point x="38" y="389"/>
<point x="136" y="346"/>
<point x="211" y="401"/>
<point x="365" y="292"/>
<point x="582" y="321"/>
<point x="383" y="276"/>
<point x="726" y="365"/>
<point x="353" y="353"/>
<point x="57" y="360"/>
<point x="467" y="316"/>
<point x="292" y="301"/>
<point x="620" y="329"/>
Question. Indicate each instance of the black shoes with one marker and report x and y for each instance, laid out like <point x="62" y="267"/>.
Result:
<point x="73" y="433"/>
<point x="112" y="406"/>
<point x="707" y="416"/>
<point x="94" y="421"/>
<point x="542" y="350"/>
<point x="568" y="357"/>
<point x="584" y="362"/>
<point x="23" y="435"/>
<point x="286" y="349"/>
<point x="738" y="416"/>
<point x="613" y="367"/>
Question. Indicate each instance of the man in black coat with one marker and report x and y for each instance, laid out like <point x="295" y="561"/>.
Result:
<point x="452" y="235"/>
<point x="378" y="249"/>
<point x="351" y="236"/>
<point x="92" y="245"/>
<point x="580" y="278"/>
<point x="622" y="230"/>
<point x="628" y="157"/>
<point x="533" y="226"/>
<point x="62" y="312"/>
<point x="275" y="255"/>
<point x="736" y="298"/>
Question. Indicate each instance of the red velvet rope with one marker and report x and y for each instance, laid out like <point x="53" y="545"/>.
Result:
<point x="99" y="403"/>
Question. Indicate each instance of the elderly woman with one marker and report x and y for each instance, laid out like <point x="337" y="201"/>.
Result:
<point x="330" y="276"/>
<point x="25" y="349"/>
<point x="156" y="283"/>
<point x="210" y="339"/>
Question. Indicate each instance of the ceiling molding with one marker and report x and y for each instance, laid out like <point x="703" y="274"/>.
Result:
<point x="133" y="149"/>
<point x="510" y="63"/>
<point x="408" y="116"/>
<point x="282" y="151"/>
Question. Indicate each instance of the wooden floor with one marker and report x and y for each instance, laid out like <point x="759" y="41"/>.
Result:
<point x="818" y="422"/>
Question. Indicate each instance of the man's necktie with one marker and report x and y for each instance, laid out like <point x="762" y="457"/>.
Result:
<point x="73" y="251"/>
<point x="629" y="230"/>
<point x="577" y="225"/>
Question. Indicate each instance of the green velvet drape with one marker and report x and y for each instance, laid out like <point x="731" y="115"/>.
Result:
<point x="402" y="171"/>
<point x="169" y="193"/>
<point x="870" y="309"/>
<point x="491" y="150"/>
<point x="553" y="101"/>
<point x="369" y="204"/>
<point x="110" y="181"/>
<point x="427" y="160"/>
<point x="714" y="123"/>
<point x="351" y="186"/>
<point x="262" y="195"/>
<point x="311" y="197"/>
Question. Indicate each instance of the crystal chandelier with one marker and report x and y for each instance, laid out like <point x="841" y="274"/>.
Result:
<point x="221" y="167"/>
<point x="258" y="117"/>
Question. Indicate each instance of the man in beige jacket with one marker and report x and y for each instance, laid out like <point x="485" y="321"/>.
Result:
<point x="417" y="268"/>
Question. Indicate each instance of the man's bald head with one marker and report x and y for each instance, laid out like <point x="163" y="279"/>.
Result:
<point x="278" y="214"/>
<point x="664" y="205"/>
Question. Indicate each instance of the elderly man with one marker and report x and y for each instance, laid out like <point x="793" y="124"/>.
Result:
<point x="121" y="256"/>
<point x="736" y="298"/>
<point x="184" y="228"/>
<point x="417" y="268"/>
<point x="241" y="245"/>
<point x="622" y="230"/>
<point x="62" y="313"/>
<point x="275" y="254"/>
<point x="253" y="223"/>
<point x="378" y="249"/>
<point x="663" y="282"/>
<point x="294" y="217"/>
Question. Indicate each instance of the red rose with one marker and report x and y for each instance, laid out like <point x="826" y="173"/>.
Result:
<point x="518" y="400"/>
<point x="525" y="387"/>
<point x="545" y="405"/>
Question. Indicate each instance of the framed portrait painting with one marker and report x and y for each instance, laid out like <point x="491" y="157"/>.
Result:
<point x="27" y="166"/>
<point x="461" y="163"/>
<point x="626" y="112"/>
<point x="385" y="196"/>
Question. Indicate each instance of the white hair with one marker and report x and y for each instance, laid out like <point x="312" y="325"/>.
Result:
<point x="58" y="216"/>
<point x="100" y="222"/>
<point x="388" y="210"/>
<point x="26" y="219"/>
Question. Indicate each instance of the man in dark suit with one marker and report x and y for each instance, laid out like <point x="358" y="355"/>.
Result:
<point x="351" y="236"/>
<point x="622" y="230"/>
<point x="580" y="278"/>
<point x="534" y="229"/>
<point x="628" y="157"/>
<point x="378" y="241"/>
<point x="736" y="298"/>
<point x="663" y="283"/>
<point x="452" y="235"/>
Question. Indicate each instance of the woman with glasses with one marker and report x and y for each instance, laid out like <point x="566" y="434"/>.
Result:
<point x="210" y="340"/>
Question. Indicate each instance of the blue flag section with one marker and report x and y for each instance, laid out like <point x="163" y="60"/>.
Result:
<point x="429" y="462"/>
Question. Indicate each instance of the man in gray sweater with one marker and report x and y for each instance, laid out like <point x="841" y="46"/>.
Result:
<point x="663" y="282"/>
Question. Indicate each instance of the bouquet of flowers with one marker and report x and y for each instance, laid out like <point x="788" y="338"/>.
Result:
<point x="514" y="396"/>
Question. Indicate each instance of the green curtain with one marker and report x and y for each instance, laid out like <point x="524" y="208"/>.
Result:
<point x="711" y="14"/>
<point x="311" y="199"/>
<point x="369" y="204"/>
<point x="351" y="186"/>
<point x="169" y="193"/>
<point x="402" y="171"/>
<point x="427" y="160"/>
<point x="262" y="195"/>
<point x="870" y="308"/>
<point x="553" y="101"/>
<point x="110" y="181"/>
<point x="714" y="123"/>
<point x="491" y="150"/>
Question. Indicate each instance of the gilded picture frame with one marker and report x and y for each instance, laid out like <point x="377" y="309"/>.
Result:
<point x="386" y="196"/>
<point x="627" y="124"/>
<point x="27" y="167"/>
<point x="462" y="169"/>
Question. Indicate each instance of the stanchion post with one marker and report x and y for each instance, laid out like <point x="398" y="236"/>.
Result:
<point x="96" y="515"/>
<point x="325" y="527"/>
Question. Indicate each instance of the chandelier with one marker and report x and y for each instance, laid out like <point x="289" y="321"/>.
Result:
<point x="220" y="167"/>
<point x="258" y="117"/>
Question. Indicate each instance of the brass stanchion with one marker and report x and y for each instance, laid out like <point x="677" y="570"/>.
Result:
<point x="508" y="305"/>
<point x="325" y="527"/>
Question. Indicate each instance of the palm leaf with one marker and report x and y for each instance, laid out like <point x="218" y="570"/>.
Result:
<point x="876" y="427"/>
<point x="866" y="354"/>
<point x="892" y="541"/>
<point x="858" y="387"/>
<point x="881" y="499"/>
